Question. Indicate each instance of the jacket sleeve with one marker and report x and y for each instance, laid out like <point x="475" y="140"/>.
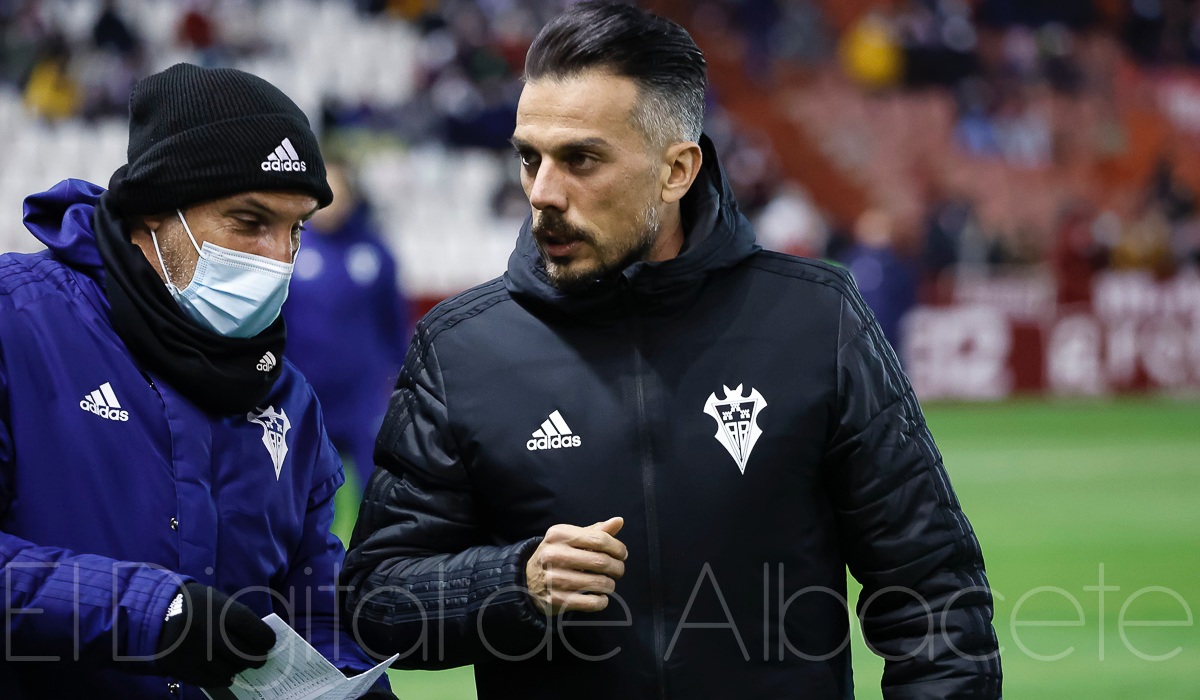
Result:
<point x="313" y="575"/>
<point x="422" y="579"/>
<point x="62" y="604"/>
<point x="925" y="606"/>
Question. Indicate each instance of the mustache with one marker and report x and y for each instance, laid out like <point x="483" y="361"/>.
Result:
<point x="552" y="224"/>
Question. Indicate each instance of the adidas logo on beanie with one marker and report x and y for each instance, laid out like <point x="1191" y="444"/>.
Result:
<point x="198" y="134"/>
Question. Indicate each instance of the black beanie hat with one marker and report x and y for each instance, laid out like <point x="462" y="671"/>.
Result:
<point x="198" y="134"/>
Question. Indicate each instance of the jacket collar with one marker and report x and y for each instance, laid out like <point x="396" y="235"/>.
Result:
<point x="716" y="237"/>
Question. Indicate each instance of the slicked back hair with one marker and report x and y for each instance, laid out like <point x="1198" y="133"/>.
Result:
<point x="659" y="56"/>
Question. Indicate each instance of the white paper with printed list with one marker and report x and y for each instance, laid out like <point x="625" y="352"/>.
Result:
<point x="296" y="671"/>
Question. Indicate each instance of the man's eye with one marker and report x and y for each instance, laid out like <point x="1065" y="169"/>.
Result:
<point x="579" y="160"/>
<point x="528" y="158"/>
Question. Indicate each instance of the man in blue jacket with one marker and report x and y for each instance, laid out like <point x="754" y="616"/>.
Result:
<point x="347" y="320"/>
<point x="165" y="477"/>
<point x="640" y="463"/>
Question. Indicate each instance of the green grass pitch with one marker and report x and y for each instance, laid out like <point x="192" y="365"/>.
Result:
<point x="1066" y="498"/>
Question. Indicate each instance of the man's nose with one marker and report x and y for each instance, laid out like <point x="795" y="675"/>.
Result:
<point x="280" y="245"/>
<point x="548" y="190"/>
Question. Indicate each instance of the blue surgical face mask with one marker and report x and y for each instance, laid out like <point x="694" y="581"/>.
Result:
<point x="231" y="293"/>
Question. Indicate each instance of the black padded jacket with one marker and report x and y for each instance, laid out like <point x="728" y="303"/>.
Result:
<point x="742" y="411"/>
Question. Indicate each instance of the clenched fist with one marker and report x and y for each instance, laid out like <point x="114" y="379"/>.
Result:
<point x="575" y="568"/>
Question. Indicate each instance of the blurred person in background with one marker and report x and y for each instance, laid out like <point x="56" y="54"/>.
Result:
<point x="952" y="240"/>
<point x="111" y="32"/>
<point x="885" y="279"/>
<point x="1145" y="241"/>
<point x="1077" y="255"/>
<point x="23" y="30"/>
<point x="592" y="466"/>
<point x="110" y="67"/>
<point x="792" y="223"/>
<point x="347" y="320"/>
<point x="870" y="52"/>
<point x="52" y="92"/>
<point x="165" y="479"/>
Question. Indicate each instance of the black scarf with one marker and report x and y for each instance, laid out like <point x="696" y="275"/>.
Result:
<point x="219" y="374"/>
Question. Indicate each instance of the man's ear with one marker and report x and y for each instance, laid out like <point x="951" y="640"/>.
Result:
<point x="683" y="160"/>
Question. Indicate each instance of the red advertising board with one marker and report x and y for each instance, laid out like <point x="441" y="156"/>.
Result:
<point x="1138" y="334"/>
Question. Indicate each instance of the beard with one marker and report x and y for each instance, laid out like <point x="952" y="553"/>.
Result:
<point x="179" y="262"/>
<point x="612" y="258"/>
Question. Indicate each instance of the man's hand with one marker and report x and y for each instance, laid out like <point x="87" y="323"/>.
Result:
<point x="207" y="639"/>
<point x="575" y="568"/>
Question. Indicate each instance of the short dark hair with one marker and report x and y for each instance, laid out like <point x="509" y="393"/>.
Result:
<point x="656" y="53"/>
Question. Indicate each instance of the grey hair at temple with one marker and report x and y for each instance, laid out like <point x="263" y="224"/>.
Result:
<point x="656" y="53"/>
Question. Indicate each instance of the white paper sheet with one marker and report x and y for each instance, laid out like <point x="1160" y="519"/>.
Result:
<point x="296" y="671"/>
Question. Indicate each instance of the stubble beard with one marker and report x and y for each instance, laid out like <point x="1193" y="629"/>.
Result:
<point x="573" y="282"/>
<point x="176" y="257"/>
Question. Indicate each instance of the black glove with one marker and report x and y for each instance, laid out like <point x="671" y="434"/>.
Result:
<point x="207" y="639"/>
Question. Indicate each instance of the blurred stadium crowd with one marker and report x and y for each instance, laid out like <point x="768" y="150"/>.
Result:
<point x="947" y="151"/>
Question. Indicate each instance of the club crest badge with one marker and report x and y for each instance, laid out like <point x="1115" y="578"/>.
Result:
<point x="737" y="421"/>
<point x="275" y="425"/>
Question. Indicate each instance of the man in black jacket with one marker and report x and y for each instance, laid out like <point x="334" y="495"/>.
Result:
<point x="638" y="465"/>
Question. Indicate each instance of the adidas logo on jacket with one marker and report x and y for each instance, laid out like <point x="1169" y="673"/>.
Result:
<point x="554" y="434"/>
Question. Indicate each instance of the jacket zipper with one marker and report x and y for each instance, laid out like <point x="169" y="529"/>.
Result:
<point x="648" y="492"/>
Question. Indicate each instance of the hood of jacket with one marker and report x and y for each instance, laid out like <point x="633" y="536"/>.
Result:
<point x="716" y="236"/>
<point x="61" y="218"/>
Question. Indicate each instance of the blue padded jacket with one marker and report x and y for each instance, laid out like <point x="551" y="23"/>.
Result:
<point x="114" y="488"/>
